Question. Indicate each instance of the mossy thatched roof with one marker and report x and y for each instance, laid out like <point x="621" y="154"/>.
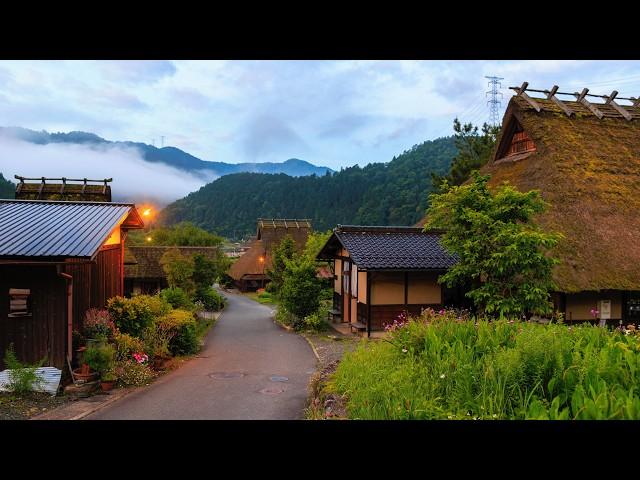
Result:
<point x="588" y="169"/>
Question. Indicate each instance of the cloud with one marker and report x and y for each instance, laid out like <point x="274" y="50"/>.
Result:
<point x="137" y="71"/>
<point x="343" y="125"/>
<point x="267" y="135"/>
<point x="133" y="178"/>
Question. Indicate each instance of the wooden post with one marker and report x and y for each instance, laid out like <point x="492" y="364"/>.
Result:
<point x="369" y="304"/>
<point x="530" y="101"/>
<point x="592" y="108"/>
<point x="617" y="107"/>
<point x="552" y="96"/>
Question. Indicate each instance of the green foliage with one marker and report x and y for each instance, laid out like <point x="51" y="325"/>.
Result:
<point x="133" y="374"/>
<point x="134" y="315"/>
<point x="204" y="271"/>
<point x="393" y="193"/>
<point x="211" y="299"/>
<point x="126" y="345"/>
<point x="280" y="254"/>
<point x="100" y="357"/>
<point x="443" y="367"/>
<point x="300" y="292"/>
<point x="474" y="150"/>
<point x="315" y="242"/>
<point x="317" y="321"/>
<point x="98" y="323"/>
<point x="182" y="324"/>
<point x="177" y="298"/>
<point x="7" y="188"/>
<point x="183" y="234"/>
<point x="22" y="377"/>
<point x="179" y="270"/>
<point x="502" y="253"/>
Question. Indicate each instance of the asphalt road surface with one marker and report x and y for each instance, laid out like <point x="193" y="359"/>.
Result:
<point x="249" y="368"/>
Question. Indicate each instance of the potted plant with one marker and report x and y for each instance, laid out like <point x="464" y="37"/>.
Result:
<point x="84" y="373"/>
<point x="100" y="358"/>
<point x="98" y="326"/>
<point x="108" y="379"/>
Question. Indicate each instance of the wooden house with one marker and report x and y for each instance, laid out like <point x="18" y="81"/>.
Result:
<point x="57" y="259"/>
<point x="382" y="271"/>
<point x="143" y="272"/>
<point x="249" y="271"/>
<point x="582" y="152"/>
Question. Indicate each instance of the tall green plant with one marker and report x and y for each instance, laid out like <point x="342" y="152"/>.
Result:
<point x="300" y="292"/>
<point x="22" y="376"/>
<point x="502" y="253"/>
<point x="280" y="254"/>
<point x="179" y="270"/>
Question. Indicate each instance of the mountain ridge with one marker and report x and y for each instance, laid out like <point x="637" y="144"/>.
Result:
<point x="172" y="156"/>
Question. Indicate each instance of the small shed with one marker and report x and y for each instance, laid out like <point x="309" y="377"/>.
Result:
<point x="381" y="272"/>
<point x="57" y="259"/>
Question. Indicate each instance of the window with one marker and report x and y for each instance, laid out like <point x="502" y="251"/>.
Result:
<point x="19" y="302"/>
<point x="346" y="278"/>
<point x="354" y="281"/>
<point x="521" y="143"/>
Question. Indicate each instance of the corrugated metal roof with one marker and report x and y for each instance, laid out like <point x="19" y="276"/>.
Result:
<point x="35" y="228"/>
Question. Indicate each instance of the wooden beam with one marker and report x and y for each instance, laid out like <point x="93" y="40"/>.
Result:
<point x="530" y="101"/>
<point x="551" y="96"/>
<point x="617" y="107"/>
<point x="41" y="188"/>
<point x="64" y="184"/>
<point x="636" y="102"/>
<point x="592" y="108"/>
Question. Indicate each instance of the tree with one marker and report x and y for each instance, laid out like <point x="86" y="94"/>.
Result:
<point x="282" y="252"/>
<point x="184" y="234"/>
<point x="315" y="242"/>
<point x="179" y="270"/>
<point x="474" y="150"/>
<point x="300" y="291"/>
<point x="501" y="252"/>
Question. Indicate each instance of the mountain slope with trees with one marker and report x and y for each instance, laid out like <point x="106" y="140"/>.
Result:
<point x="7" y="188"/>
<point x="393" y="193"/>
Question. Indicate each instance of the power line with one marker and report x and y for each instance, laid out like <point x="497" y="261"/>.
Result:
<point x="494" y="103"/>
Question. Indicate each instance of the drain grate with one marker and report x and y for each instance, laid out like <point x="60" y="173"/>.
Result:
<point x="278" y="378"/>
<point x="226" y="375"/>
<point x="272" y="391"/>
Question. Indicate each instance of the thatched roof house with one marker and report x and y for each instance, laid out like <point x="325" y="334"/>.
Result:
<point x="143" y="272"/>
<point x="69" y="189"/>
<point x="248" y="272"/>
<point x="584" y="158"/>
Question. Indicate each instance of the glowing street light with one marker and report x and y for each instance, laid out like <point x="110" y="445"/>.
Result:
<point x="149" y="239"/>
<point x="146" y="212"/>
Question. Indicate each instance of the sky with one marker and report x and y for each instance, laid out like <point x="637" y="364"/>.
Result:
<point x="331" y="113"/>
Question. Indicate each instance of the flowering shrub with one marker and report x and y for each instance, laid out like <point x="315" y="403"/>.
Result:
<point x="126" y="345"/>
<point x="398" y="322"/>
<point x="98" y="323"/>
<point x="140" y="357"/>
<point x="134" y="315"/>
<point x="130" y="373"/>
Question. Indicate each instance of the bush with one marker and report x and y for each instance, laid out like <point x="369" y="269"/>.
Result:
<point x="182" y="325"/>
<point x="177" y="298"/>
<point x="300" y="289"/>
<point x="134" y="315"/>
<point x="133" y="374"/>
<point x="211" y="299"/>
<point x="22" y="377"/>
<point x="441" y="366"/>
<point x="317" y="322"/>
<point x="100" y="357"/>
<point x="98" y="323"/>
<point x="126" y="345"/>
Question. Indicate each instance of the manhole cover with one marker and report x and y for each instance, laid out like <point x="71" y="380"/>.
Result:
<point x="225" y="375"/>
<point x="278" y="378"/>
<point x="272" y="391"/>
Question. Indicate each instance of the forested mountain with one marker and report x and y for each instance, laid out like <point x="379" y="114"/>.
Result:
<point x="168" y="155"/>
<point x="7" y="189"/>
<point x="393" y="193"/>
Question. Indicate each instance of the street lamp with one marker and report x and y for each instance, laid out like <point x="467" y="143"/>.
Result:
<point x="261" y="259"/>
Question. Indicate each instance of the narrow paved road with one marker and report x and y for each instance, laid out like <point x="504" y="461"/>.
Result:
<point x="249" y="368"/>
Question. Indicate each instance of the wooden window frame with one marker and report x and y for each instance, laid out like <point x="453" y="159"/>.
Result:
<point x="29" y="306"/>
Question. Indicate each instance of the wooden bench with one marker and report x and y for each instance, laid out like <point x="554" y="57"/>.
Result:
<point x="358" y="326"/>
<point x="333" y="313"/>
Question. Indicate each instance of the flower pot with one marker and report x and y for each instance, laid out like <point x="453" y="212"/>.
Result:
<point x="159" y="362"/>
<point x="107" y="385"/>
<point x="84" y="375"/>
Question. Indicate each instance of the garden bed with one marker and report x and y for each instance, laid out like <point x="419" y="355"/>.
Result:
<point x="14" y="407"/>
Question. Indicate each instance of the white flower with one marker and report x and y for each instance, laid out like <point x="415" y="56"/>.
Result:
<point x="404" y="350"/>
<point x="442" y="376"/>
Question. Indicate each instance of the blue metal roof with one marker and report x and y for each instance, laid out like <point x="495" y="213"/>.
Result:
<point x="41" y="228"/>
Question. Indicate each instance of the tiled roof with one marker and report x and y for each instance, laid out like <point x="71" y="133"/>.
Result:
<point x="143" y="261"/>
<point x="394" y="248"/>
<point x="36" y="228"/>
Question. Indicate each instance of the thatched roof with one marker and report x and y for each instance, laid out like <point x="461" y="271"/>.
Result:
<point x="270" y="232"/>
<point x="588" y="169"/>
<point x="143" y="262"/>
<point x="58" y="189"/>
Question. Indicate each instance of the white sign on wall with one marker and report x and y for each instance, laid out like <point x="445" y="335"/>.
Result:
<point x="605" y="309"/>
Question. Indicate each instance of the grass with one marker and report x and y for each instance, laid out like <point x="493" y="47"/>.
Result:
<point x="443" y="367"/>
<point x="264" y="297"/>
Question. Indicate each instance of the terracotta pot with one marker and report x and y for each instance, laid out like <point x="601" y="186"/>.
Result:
<point x="84" y="376"/>
<point x="107" y="385"/>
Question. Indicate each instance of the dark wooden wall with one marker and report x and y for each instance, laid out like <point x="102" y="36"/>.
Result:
<point x="384" y="314"/>
<point x="44" y="333"/>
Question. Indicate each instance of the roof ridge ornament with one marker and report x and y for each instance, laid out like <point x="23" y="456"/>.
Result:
<point x="619" y="109"/>
<point x="592" y="108"/>
<point x="551" y="95"/>
<point x="530" y="101"/>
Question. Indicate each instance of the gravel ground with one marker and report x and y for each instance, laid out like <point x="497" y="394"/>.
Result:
<point x="330" y="347"/>
<point x="13" y="407"/>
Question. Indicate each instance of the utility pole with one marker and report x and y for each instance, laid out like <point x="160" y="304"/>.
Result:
<point x="161" y="141"/>
<point x="153" y="142"/>
<point x="494" y="103"/>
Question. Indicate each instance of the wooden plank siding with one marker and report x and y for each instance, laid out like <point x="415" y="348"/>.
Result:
<point x="384" y="314"/>
<point x="43" y="334"/>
